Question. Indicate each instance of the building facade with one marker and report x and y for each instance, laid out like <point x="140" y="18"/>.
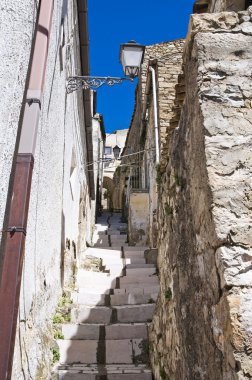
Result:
<point x="64" y="184"/>
<point x="151" y="121"/>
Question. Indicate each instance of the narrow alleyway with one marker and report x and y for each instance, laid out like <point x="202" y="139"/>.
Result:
<point x="113" y="302"/>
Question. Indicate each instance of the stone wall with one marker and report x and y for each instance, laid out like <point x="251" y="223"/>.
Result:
<point x="59" y="182"/>
<point x="139" y="218"/>
<point x="202" y="6"/>
<point x="202" y="324"/>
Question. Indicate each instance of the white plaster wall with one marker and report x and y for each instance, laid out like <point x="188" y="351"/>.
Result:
<point x="55" y="195"/>
<point x="17" y="19"/>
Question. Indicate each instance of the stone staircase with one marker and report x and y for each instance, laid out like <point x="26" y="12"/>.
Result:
<point x="107" y="338"/>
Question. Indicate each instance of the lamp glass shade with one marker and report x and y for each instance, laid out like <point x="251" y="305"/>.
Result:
<point x="116" y="151"/>
<point x="131" y="57"/>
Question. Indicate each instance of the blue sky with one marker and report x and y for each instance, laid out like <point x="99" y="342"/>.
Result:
<point x="113" y="22"/>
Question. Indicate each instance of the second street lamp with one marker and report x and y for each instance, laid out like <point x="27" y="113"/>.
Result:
<point x="131" y="58"/>
<point x="116" y="151"/>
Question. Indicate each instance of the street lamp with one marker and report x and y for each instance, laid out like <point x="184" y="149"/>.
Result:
<point x="116" y="151"/>
<point x="131" y="57"/>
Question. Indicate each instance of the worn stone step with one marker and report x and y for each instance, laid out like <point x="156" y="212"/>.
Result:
<point x="139" y="280"/>
<point x="93" y="279"/>
<point x="96" y="291"/>
<point x="118" y="237"/>
<point x="115" y="314"/>
<point x="101" y="244"/>
<point x="100" y="331"/>
<point x="109" y="372"/>
<point x="114" y="232"/>
<point x="134" y="313"/>
<point x="137" y="290"/>
<point x="78" y="351"/>
<point x="126" y="331"/>
<point x="81" y="331"/>
<point x="90" y="299"/>
<point x="77" y="375"/>
<point x="133" y="254"/>
<point x="135" y="260"/>
<point x="137" y="248"/>
<point x="125" y="351"/>
<point x="142" y="264"/>
<point x="86" y="314"/>
<point x="132" y="299"/>
<point x="140" y="271"/>
<point x="103" y="253"/>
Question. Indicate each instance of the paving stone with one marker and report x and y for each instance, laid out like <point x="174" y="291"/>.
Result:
<point x="132" y="299"/>
<point x="140" y="271"/>
<point x="99" y="314"/>
<point x="140" y="265"/>
<point x="77" y="351"/>
<point x="134" y="313"/>
<point x="81" y="331"/>
<point x="119" y="351"/>
<point x="89" y="299"/>
<point x="124" y="331"/>
<point x="137" y="290"/>
<point x="140" y="280"/>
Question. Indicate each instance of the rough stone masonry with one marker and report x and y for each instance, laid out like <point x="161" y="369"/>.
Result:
<point x="202" y="327"/>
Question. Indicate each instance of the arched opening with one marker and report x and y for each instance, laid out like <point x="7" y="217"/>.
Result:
<point x="107" y="193"/>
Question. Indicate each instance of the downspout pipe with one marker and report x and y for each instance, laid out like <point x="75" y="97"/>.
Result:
<point x="154" y="88"/>
<point x="13" y="254"/>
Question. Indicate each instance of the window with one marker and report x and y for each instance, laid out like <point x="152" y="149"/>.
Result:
<point x="108" y="150"/>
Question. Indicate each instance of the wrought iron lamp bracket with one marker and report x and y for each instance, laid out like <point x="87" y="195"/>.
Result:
<point x="86" y="82"/>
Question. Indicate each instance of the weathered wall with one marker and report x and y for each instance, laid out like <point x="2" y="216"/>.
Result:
<point x="202" y="325"/>
<point x="168" y="69"/>
<point x="59" y="180"/>
<point x="17" y="21"/>
<point x="139" y="218"/>
<point x="202" y="6"/>
<point x="166" y="58"/>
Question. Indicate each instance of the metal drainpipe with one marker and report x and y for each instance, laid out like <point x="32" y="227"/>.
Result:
<point x="154" y="87"/>
<point x="18" y="212"/>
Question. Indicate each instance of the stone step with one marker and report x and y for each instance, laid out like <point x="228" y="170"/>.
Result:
<point x="115" y="314"/>
<point x="140" y="265"/>
<point x="117" y="299"/>
<point x="97" y="288"/>
<point x="86" y="314"/>
<point x="101" y="332"/>
<point x="114" y="232"/>
<point x="139" y="281"/>
<point x="132" y="299"/>
<point x="135" y="260"/>
<point x="90" y="299"/>
<point x="134" y="313"/>
<point x="118" y="237"/>
<point x="108" y="372"/>
<point x="95" y="291"/>
<point x="140" y="271"/>
<point x="125" y="351"/>
<point x="138" y="290"/>
<point x="101" y="245"/>
<point x="137" y="248"/>
<point x="102" y="253"/>
<point x="93" y="279"/>
<point x="133" y="254"/>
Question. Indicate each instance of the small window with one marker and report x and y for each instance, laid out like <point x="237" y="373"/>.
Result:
<point x="108" y="150"/>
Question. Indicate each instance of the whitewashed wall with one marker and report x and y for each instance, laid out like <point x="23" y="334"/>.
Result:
<point x="60" y="171"/>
